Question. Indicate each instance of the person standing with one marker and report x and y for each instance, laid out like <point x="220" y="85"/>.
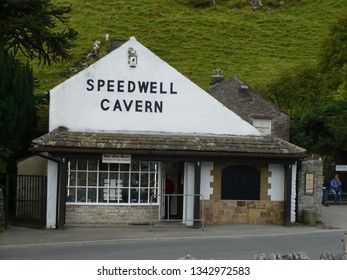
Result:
<point x="335" y="188"/>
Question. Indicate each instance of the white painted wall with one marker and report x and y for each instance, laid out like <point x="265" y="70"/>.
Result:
<point x="206" y="179"/>
<point x="276" y="181"/>
<point x="52" y="181"/>
<point x="190" y="110"/>
<point x="188" y="188"/>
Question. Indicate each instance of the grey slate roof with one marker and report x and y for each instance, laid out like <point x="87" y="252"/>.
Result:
<point x="63" y="140"/>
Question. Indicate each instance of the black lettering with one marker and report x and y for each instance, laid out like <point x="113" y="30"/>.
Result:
<point x="158" y="106"/>
<point x="102" y="104"/>
<point x="171" y="89"/>
<point x="110" y="85"/>
<point x="128" y="105"/>
<point x="90" y="83"/>
<point x="101" y="83"/>
<point x="143" y="86"/>
<point x="162" y="91"/>
<point x="117" y="106"/>
<point x="148" y="106"/>
<point x="120" y="87"/>
<point x="131" y="86"/>
<point x="138" y="106"/>
<point x="153" y="87"/>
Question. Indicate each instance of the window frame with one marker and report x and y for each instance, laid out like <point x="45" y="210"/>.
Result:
<point x="91" y="182"/>
<point x="263" y="123"/>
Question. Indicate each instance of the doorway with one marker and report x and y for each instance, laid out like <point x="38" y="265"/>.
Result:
<point x="174" y="172"/>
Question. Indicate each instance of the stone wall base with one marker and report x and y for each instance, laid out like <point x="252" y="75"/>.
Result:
<point x="109" y="214"/>
<point x="243" y="212"/>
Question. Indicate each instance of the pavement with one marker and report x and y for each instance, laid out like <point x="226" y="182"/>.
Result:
<point x="333" y="217"/>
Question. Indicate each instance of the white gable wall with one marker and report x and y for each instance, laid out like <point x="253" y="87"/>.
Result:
<point x="107" y="97"/>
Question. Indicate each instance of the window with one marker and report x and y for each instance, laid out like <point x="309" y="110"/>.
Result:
<point x="241" y="182"/>
<point x="264" y="125"/>
<point x="91" y="181"/>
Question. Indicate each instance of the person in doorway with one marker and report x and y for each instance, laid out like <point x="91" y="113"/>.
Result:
<point x="325" y="186"/>
<point x="335" y="188"/>
<point x="169" y="189"/>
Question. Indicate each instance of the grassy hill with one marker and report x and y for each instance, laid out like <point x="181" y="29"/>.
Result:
<point x="255" y="45"/>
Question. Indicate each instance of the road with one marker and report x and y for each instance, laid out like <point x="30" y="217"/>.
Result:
<point x="195" y="243"/>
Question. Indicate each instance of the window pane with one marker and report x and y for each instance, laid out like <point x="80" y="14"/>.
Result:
<point x="114" y="166"/>
<point x="92" y="195"/>
<point x="93" y="164"/>
<point x="70" y="195"/>
<point x="153" y="166"/>
<point x="72" y="164"/>
<point x="124" y="179"/>
<point x="103" y="195"/>
<point x="144" y="196"/>
<point x="153" y="180"/>
<point x="92" y="179"/>
<point x="134" y="195"/>
<point x="135" y="166"/>
<point x="103" y="166"/>
<point x="103" y="179"/>
<point x="144" y="166"/>
<point x="144" y="180"/>
<point x="125" y="195"/>
<point x="134" y="180"/>
<point x="81" y="194"/>
<point x="124" y="167"/>
<point x="72" y="179"/>
<point x="82" y="164"/>
<point x="82" y="179"/>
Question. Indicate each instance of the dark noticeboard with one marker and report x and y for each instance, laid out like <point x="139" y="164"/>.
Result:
<point x="309" y="183"/>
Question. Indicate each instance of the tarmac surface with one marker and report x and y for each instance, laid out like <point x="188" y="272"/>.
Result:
<point x="333" y="217"/>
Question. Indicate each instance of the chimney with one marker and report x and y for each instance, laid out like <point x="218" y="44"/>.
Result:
<point x="217" y="76"/>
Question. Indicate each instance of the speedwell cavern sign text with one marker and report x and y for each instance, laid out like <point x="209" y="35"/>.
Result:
<point x="146" y="105"/>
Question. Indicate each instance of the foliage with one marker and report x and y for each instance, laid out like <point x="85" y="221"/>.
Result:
<point x="17" y="107"/>
<point x="30" y="27"/>
<point x="297" y="89"/>
<point x="322" y="130"/>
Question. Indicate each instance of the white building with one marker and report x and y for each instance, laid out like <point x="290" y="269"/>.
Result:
<point x="120" y="128"/>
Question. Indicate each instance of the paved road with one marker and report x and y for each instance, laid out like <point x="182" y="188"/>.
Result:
<point x="173" y="241"/>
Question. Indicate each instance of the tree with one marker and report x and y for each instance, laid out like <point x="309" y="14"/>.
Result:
<point x="17" y="107"/>
<point x="297" y="89"/>
<point x="29" y="27"/>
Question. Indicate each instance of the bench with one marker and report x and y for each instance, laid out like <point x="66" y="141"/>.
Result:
<point x="343" y="197"/>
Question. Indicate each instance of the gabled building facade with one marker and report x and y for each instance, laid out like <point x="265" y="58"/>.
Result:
<point x="123" y="128"/>
<point x="251" y="106"/>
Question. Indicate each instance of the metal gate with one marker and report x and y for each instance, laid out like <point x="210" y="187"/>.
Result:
<point x="30" y="201"/>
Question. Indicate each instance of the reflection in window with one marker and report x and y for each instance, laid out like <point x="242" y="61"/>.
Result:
<point x="91" y="181"/>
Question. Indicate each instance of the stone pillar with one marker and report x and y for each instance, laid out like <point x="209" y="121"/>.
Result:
<point x="310" y="202"/>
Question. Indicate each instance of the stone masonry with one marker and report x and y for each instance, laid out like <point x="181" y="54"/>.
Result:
<point x="108" y="214"/>
<point x="309" y="205"/>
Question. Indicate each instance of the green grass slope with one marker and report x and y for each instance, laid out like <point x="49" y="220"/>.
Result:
<point x="255" y="45"/>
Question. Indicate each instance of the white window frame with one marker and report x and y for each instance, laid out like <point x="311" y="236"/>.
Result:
<point x="263" y="125"/>
<point x="89" y="181"/>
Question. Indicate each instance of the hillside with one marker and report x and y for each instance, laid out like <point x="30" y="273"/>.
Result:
<point x="255" y="45"/>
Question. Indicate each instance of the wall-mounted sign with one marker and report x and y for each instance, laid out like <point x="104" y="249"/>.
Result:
<point x="309" y="189"/>
<point x="341" y="167"/>
<point x="114" y="158"/>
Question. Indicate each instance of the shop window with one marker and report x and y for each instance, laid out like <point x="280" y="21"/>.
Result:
<point x="91" y="181"/>
<point x="241" y="182"/>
